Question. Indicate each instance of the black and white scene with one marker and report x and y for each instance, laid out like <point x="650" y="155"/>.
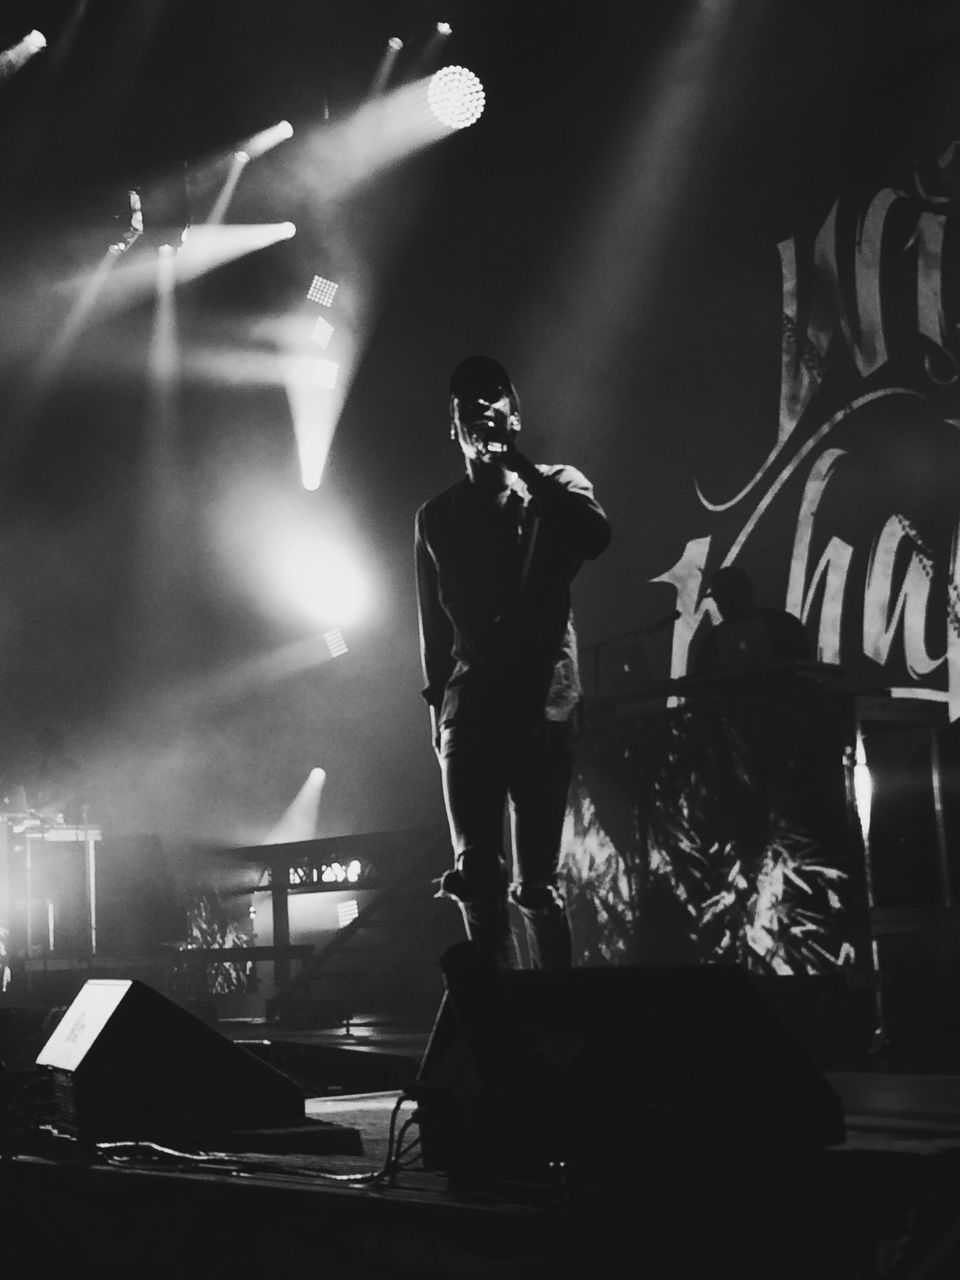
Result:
<point x="480" y="638"/>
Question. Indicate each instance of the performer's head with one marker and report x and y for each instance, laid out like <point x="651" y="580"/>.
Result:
<point x="484" y="408"/>
<point x="731" y="589"/>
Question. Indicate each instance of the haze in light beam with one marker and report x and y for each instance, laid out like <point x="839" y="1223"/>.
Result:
<point x="379" y="133"/>
<point x="205" y="249"/>
<point x="19" y="54"/>
<point x="299" y="822"/>
<point x="259" y="143"/>
<point x="237" y="165"/>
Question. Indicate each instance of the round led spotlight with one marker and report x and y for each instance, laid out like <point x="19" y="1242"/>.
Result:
<point x="456" y="97"/>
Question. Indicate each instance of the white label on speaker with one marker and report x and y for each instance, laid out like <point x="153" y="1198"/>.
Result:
<point x="82" y="1023"/>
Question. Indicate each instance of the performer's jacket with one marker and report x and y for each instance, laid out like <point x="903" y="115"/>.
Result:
<point x="497" y="638"/>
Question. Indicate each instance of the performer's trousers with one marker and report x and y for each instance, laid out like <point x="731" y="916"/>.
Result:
<point x="490" y="770"/>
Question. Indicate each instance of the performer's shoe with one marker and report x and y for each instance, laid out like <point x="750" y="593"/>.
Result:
<point x="479" y="887"/>
<point x="479" y="876"/>
<point x="546" y="925"/>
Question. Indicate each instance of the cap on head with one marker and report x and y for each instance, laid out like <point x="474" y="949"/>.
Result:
<point x="483" y="376"/>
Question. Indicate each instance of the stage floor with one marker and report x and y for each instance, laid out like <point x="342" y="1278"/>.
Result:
<point x="882" y="1205"/>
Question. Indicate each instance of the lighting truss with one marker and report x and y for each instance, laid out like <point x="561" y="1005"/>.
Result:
<point x="325" y="877"/>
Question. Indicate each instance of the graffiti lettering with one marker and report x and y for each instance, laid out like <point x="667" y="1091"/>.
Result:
<point x="819" y="308"/>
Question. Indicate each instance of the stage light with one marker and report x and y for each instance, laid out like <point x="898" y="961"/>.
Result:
<point x="206" y="248"/>
<point x="17" y="55"/>
<point x="166" y="250"/>
<point x="287" y="230"/>
<point x="456" y="97"/>
<point x="242" y="157"/>
<point x="267" y="139"/>
<point x="299" y="822"/>
<point x="336" y="645"/>
<point x="435" y="42"/>
<point x="341" y="873"/>
<point x="862" y="788"/>
<point x="385" y="67"/>
<point x="319" y="580"/>
<point x="322" y="332"/>
<point x="322" y="291"/>
<point x="326" y="876"/>
<point x="347" y="912"/>
<point x="325" y="374"/>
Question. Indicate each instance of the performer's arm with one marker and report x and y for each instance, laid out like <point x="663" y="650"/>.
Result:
<point x="566" y="496"/>
<point x="436" y="631"/>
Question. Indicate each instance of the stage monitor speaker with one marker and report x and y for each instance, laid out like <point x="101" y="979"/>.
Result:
<point x="129" y="1064"/>
<point x="527" y="1070"/>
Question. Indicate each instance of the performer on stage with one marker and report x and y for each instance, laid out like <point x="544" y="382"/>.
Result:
<point x="495" y="556"/>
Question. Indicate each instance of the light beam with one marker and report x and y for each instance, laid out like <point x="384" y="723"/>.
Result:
<point x="205" y="249"/>
<point x="238" y="163"/>
<point x="18" y="55"/>
<point x="259" y="144"/>
<point x="388" y="60"/>
<point x="299" y="822"/>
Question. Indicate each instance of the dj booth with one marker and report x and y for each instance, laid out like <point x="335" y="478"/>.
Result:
<point x="780" y="819"/>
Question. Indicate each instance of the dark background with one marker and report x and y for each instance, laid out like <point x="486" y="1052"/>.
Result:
<point x="608" y="229"/>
